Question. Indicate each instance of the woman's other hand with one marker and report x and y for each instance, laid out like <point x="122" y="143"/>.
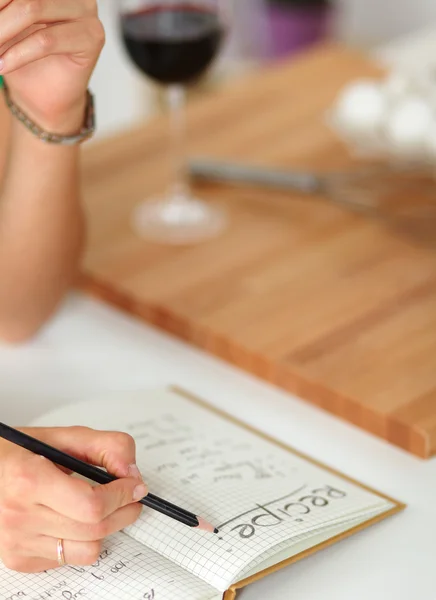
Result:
<point x="48" y="49"/>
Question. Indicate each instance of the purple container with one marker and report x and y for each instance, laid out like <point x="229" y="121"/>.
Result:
<point x="294" y="28"/>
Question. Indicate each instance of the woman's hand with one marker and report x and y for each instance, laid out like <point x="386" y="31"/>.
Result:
<point x="48" y="49"/>
<point x="40" y="503"/>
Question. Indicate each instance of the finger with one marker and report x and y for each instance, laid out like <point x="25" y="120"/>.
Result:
<point x="18" y="15"/>
<point x="80" y="501"/>
<point x="44" y="521"/>
<point x="27" y="564"/>
<point x="114" y="451"/>
<point x="82" y="41"/>
<point x="109" y="498"/>
<point x="79" y="554"/>
<point x="21" y="36"/>
<point x="4" y="3"/>
<point x="37" y="481"/>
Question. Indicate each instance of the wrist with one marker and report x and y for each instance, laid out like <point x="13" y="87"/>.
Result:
<point x="68" y="121"/>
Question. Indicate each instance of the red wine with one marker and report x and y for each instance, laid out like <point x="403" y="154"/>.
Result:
<point x="172" y="44"/>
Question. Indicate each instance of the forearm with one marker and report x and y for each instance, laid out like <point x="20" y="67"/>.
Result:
<point x="41" y="227"/>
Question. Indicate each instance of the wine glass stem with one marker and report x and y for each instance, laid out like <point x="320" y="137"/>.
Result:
<point x="179" y="190"/>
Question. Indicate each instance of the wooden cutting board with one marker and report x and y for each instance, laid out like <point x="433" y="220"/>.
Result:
<point x="336" y="307"/>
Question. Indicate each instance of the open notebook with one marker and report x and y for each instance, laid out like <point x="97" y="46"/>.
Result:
<point x="272" y="505"/>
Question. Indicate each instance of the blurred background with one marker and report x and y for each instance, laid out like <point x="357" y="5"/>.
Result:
<point x="400" y="32"/>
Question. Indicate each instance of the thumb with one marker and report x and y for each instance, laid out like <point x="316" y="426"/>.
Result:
<point x="112" y="450"/>
<point x="116" y="452"/>
<point x="119" y="493"/>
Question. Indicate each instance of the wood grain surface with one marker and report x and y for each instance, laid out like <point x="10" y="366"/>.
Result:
<point x="335" y="306"/>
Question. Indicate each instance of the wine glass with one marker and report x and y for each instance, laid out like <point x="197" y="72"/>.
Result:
<point x="174" y="42"/>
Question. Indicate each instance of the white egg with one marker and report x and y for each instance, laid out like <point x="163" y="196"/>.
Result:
<point x="360" y="108"/>
<point x="407" y="127"/>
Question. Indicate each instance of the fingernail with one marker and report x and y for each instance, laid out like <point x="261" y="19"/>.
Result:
<point x="139" y="492"/>
<point x="134" y="472"/>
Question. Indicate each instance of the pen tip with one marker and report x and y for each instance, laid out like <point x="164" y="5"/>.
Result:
<point x="216" y="530"/>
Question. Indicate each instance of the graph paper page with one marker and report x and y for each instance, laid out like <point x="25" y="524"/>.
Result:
<point x="258" y="494"/>
<point x="126" y="570"/>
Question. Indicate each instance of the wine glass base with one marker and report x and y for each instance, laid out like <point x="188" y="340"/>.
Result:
<point x="183" y="222"/>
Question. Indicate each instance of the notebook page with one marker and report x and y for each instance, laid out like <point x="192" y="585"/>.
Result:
<point x="125" y="570"/>
<point x="258" y="494"/>
<point x="303" y="542"/>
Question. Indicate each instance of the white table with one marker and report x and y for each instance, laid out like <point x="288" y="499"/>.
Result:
<point x="90" y="348"/>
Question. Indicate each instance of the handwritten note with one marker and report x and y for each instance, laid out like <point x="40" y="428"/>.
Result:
<point x="188" y="455"/>
<point x="258" y="494"/>
<point x="125" y="570"/>
<point x="261" y="496"/>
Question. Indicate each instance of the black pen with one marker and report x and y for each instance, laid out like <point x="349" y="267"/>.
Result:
<point x="99" y="476"/>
